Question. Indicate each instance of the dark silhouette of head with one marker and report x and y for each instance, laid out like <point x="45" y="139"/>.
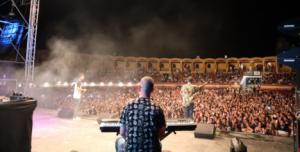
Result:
<point x="147" y="86"/>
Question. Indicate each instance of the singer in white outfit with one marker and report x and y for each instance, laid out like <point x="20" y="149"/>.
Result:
<point x="77" y="96"/>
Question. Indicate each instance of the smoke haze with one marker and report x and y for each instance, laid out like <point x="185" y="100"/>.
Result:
<point x="68" y="29"/>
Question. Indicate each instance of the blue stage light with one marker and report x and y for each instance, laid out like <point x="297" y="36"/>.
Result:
<point x="11" y="32"/>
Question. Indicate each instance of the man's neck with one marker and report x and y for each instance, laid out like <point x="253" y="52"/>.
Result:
<point x="144" y="95"/>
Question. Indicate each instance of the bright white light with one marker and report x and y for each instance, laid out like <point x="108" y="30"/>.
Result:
<point x="110" y="83"/>
<point x="85" y="84"/>
<point x="20" y="85"/>
<point x="120" y="84"/>
<point x="66" y="84"/>
<point x="129" y="84"/>
<point x="269" y="64"/>
<point x="101" y="83"/>
<point x="58" y="83"/>
<point x="46" y="85"/>
<point x="289" y="26"/>
<point x="30" y="84"/>
<point x="92" y="84"/>
<point x="288" y="60"/>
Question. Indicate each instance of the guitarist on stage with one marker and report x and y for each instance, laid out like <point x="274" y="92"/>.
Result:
<point x="187" y="93"/>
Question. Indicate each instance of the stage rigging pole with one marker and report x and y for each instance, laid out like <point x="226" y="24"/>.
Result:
<point x="31" y="42"/>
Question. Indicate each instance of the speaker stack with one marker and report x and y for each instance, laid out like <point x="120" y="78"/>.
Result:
<point x="206" y="131"/>
<point x="66" y="112"/>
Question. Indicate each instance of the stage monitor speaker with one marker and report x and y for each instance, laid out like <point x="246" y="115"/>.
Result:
<point x="205" y="131"/>
<point x="66" y="113"/>
<point x="237" y="145"/>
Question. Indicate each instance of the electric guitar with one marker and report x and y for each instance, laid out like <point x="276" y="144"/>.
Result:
<point x="198" y="91"/>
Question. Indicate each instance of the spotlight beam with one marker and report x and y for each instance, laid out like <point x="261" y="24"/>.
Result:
<point x="6" y="22"/>
<point x="16" y="49"/>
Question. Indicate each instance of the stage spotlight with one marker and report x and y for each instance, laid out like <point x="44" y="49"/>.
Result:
<point x="92" y="84"/>
<point x="120" y="84"/>
<point x="66" y="84"/>
<point x="20" y="85"/>
<point x="12" y="13"/>
<point x="110" y="84"/>
<point x="10" y="32"/>
<point x="101" y="83"/>
<point x="58" y="83"/>
<point x="85" y="84"/>
<point x="129" y="84"/>
<point x="46" y="85"/>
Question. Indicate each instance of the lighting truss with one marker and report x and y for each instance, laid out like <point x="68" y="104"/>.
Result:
<point x="30" y="25"/>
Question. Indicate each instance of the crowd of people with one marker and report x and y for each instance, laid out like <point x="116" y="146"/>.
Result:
<point x="264" y="112"/>
<point x="180" y="77"/>
<point x="279" y="78"/>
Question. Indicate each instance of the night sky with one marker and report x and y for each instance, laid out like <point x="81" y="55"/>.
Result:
<point x="168" y="28"/>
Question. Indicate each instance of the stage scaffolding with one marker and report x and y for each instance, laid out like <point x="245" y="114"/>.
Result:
<point x="21" y="9"/>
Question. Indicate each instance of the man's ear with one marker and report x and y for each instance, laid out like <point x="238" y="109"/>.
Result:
<point x="138" y="88"/>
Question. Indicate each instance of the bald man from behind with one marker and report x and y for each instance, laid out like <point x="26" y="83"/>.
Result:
<point x="142" y="123"/>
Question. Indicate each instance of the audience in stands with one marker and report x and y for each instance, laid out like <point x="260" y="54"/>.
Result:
<point x="179" y="77"/>
<point x="263" y="112"/>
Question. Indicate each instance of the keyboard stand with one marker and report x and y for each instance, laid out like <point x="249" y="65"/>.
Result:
<point x="168" y="133"/>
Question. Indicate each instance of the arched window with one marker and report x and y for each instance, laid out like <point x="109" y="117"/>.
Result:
<point x="208" y="65"/>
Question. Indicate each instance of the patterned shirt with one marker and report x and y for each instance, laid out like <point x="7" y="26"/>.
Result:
<point x="142" y="120"/>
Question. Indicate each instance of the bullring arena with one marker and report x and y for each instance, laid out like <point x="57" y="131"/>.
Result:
<point x="249" y="119"/>
<point x="139" y="76"/>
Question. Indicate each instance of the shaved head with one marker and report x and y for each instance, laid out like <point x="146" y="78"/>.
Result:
<point x="147" y="85"/>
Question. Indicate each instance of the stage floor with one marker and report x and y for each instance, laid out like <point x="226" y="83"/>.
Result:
<point x="53" y="134"/>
